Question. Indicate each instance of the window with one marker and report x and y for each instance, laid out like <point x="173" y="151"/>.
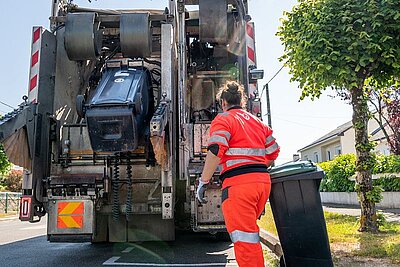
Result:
<point x="316" y="157"/>
<point x="329" y="155"/>
<point x="338" y="150"/>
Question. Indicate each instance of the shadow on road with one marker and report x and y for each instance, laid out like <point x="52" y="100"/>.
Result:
<point x="189" y="248"/>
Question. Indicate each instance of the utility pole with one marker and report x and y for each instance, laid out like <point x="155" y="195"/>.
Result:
<point x="268" y="105"/>
<point x="267" y="96"/>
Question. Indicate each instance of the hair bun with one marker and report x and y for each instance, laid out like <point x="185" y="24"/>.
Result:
<point x="233" y="93"/>
<point x="233" y="88"/>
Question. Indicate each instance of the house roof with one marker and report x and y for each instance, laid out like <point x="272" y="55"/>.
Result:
<point x="377" y="130"/>
<point x="337" y="132"/>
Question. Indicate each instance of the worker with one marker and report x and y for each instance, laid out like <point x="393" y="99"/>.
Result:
<point x="245" y="148"/>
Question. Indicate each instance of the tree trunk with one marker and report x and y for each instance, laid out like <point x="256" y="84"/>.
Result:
<point x="364" y="160"/>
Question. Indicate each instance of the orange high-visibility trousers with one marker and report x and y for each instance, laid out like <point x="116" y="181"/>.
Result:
<point x="242" y="205"/>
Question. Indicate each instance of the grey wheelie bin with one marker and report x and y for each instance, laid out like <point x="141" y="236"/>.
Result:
<point x="299" y="218"/>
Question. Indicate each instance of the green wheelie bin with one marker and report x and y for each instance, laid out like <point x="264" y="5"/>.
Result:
<point x="299" y="218"/>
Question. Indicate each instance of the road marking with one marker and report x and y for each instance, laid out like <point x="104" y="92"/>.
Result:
<point x="39" y="227"/>
<point x="127" y="250"/>
<point x="112" y="261"/>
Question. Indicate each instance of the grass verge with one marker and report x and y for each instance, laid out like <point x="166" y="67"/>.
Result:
<point x="346" y="241"/>
<point x="8" y="214"/>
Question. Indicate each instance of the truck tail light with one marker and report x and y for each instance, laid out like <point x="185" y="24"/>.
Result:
<point x="25" y="208"/>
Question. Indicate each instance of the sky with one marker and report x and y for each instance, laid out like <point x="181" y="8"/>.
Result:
<point x="295" y="123"/>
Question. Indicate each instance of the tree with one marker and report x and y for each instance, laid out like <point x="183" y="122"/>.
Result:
<point x="386" y="103"/>
<point x="13" y="181"/>
<point x="4" y="163"/>
<point x="345" y="45"/>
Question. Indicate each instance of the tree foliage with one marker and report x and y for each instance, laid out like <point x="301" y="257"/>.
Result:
<point x="340" y="43"/>
<point x="4" y="163"/>
<point x="13" y="181"/>
<point x="346" y="45"/>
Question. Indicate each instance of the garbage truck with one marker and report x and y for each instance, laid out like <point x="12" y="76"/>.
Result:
<point x="113" y="132"/>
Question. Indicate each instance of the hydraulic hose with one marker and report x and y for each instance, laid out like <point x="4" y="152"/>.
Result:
<point x="115" y="190"/>
<point x="129" y="190"/>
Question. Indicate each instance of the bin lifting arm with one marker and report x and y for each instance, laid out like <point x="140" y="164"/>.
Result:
<point x="159" y="119"/>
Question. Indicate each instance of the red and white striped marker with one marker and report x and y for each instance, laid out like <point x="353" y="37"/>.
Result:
<point x="35" y="58"/>
<point x="25" y="208"/>
<point x="251" y="54"/>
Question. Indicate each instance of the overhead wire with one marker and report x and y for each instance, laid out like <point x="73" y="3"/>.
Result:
<point x="273" y="77"/>
<point x="314" y="117"/>
<point x="7" y="105"/>
<point x="301" y="124"/>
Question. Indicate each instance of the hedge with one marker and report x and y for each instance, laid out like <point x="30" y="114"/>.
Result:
<point x="342" y="167"/>
<point x="11" y="181"/>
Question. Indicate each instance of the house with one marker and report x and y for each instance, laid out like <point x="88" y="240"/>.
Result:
<point x="341" y="141"/>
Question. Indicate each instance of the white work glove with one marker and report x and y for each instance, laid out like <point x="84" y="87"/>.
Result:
<point x="201" y="189"/>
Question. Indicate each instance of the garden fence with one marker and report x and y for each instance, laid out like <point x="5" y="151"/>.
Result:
<point x="9" y="202"/>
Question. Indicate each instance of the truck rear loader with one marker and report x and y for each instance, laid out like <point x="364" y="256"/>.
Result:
<point x="113" y="133"/>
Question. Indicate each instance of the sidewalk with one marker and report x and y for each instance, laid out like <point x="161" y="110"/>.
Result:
<point x="391" y="215"/>
<point x="8" y="216"/>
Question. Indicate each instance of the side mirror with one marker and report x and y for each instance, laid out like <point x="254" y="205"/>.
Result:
<point x="256" y="74"/>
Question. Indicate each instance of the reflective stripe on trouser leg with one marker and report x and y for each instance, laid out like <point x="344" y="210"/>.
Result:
<point x="241" y="210"/>
<point x="247" y="237"/>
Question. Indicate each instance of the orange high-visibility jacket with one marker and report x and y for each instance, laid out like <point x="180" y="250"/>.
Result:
<point x="245" y="144"/>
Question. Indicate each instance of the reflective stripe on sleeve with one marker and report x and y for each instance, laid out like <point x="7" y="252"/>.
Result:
<point x="272" y="148"/>
<point x="269" y="139"/>
<point x="230" y="163"/>
<point x="247" y="237"/>
<point x="225" y="133"/>
<point x="246" y="152"/>
<point x="218" y="139"/>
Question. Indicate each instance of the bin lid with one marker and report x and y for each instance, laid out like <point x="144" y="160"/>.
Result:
<point x="119" y="86"/>
<point x="292" y="168"/>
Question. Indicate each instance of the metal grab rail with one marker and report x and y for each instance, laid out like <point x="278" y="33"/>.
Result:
<point x="9" y="201"/>
<point x="272" y="242"/>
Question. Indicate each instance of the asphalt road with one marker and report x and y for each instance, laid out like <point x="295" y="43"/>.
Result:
<point x="25" y="244"/>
